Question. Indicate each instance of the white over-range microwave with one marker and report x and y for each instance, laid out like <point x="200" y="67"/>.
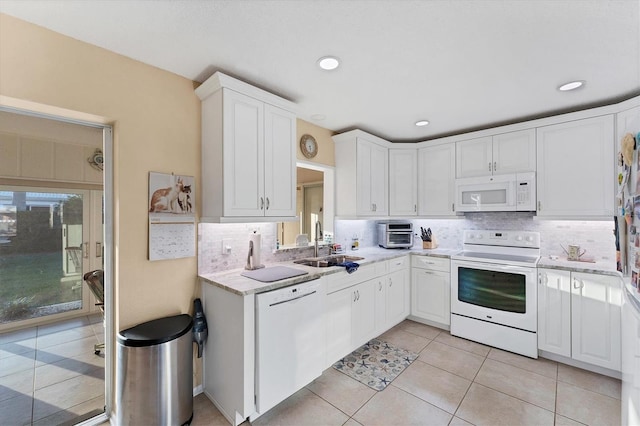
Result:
<point x="511" y="192"/>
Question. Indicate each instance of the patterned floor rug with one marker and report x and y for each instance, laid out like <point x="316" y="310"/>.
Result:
<point x="376" y="363"/>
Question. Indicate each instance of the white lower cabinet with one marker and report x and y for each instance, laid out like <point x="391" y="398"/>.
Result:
<point x="431" y="289"/>
<point x="363" y="313"/>
<point x="397" y="297"/>
<point x="596" y="319"/>
<point x="554" y="311"/>
<point x="360" y="311"/>
<point x="579" y="316"/>
<point x="351" y="319"/>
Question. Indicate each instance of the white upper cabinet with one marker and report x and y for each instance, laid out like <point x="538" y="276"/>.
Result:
<point x="575" y="176"/>
<point x="280" y="162"/>
<point x="436" y="180"/>
<point x="499" y="154"/>
<point x="362" y="173"/>
<point x="403" y="182"/>
<point x="248" y="153"/>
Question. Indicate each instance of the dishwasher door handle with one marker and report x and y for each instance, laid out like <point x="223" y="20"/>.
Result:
<point x="292" y="299"/>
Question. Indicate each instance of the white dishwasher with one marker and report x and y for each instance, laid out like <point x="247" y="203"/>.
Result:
<point x="290" y="341"/>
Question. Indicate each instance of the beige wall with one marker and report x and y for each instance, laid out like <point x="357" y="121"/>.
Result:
<point x="326" y="147"/>
<point x="156" y="120"/>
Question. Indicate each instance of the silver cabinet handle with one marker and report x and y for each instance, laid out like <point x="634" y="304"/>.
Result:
<point x="453" y="207"/>
<point x="489" y="165"/>
<point x="390" y="282"/>
<point x="539" y="205"/>
<point x="495" y="166"/>
<point x="379" y="285"/>
<point x="578" y="284"/>
<point x="358" y="291"/>
<point x="261" y="203"/>
<point x="354" y="296"/>
<point x="267" y="203"/>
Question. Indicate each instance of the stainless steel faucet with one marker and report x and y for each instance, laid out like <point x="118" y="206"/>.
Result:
<point x="318" y="237"/>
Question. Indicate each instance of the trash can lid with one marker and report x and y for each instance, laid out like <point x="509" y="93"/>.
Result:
<point x="156" y="332"/>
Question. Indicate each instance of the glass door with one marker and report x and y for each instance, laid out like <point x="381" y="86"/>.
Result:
<point x="44" y="251"/>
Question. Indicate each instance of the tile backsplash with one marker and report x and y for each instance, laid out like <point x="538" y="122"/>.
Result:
<point x="595" y="236"/>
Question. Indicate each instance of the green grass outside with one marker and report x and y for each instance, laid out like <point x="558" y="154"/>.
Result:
<point x="34" y="275"/>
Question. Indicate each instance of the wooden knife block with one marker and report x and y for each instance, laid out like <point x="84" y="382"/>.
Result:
<point x="429" y="244"/>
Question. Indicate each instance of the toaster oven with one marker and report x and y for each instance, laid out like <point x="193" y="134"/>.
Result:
<point x="395" y="234"/>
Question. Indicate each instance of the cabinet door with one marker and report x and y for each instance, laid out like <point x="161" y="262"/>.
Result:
<point x="364" y="200"/>
<point x="243" y="153"/>
<point x="514" y="152"/>
<point x="363" y="326"/>
<point x="279" y="162"/>
<point x="595" y="319"/>
<point x="436" y="180"/>
<point x="473" y="157"/>
<point x="380" y="290"/>
<point x="431" y="295"/>
<point x="372" y="179"/>
<point x="554" y="311"/>
<point x="403" y="182"/>
<point x="576" y="168"/>
<point x="339" y="324"/>
<point x="397" y="297"/>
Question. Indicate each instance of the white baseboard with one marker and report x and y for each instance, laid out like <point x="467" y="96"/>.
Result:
<point x="197" y="390"/>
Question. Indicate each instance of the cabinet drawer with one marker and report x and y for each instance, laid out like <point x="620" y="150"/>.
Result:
<point x="429" y="262"/>
<point x="399" y="263"/>
<point x="343" y="279"/>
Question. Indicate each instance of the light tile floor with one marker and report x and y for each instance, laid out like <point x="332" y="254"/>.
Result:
<point x="453" y="382"/>
<point x="49" y="374"/>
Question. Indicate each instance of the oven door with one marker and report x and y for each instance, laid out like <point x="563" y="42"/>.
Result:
<point x="501" y="294"/>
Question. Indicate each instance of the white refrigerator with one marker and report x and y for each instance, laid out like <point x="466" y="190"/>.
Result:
<point x="628" y="241"/>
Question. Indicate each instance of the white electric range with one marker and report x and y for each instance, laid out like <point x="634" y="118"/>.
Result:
<point x="494" y="290"/>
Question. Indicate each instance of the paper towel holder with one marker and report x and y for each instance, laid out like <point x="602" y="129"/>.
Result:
<point x="250" y="265"/>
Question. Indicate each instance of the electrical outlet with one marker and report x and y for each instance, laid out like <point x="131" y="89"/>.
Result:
<point x="226" y="246"/>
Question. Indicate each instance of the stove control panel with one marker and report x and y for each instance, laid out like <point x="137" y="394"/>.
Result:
<point x="502" y="238"/>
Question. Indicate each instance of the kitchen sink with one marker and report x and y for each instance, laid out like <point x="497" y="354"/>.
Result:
<point x="326" y="261"/>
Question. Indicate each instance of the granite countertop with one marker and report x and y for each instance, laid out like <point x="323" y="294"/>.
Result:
<point x="234" y="282"/>
<point x="561" y="262"/>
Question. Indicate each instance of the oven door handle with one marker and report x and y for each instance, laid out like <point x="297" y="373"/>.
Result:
<point x="492" y="266"/>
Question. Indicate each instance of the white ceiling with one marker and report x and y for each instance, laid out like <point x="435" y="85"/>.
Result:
<point x="460" y="64"/>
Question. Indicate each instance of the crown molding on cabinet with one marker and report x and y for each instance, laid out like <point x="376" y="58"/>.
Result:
<point x="219" y="81"/>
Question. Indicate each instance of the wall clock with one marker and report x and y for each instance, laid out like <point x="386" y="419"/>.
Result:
<point x="308" y="146"/>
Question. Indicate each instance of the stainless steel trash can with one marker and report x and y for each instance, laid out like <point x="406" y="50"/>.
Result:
<point x="154" y="373"/>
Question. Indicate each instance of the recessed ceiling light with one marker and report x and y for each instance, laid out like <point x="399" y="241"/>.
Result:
<point x="572" y="85"/>
<point x="422" y="123"/>
<point x="328" y="63"/>
<point x="318" y="117"/>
